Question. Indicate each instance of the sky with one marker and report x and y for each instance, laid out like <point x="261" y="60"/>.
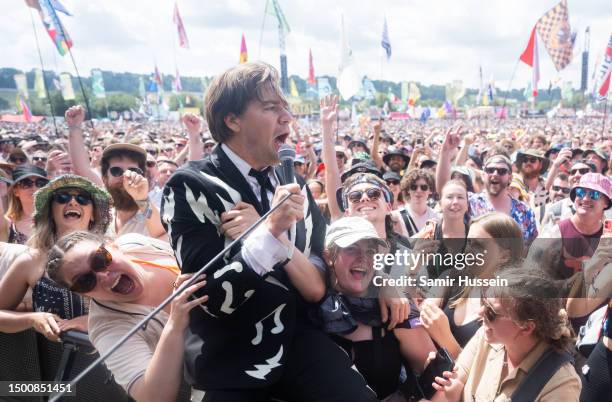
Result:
<point x="433" y="41"/>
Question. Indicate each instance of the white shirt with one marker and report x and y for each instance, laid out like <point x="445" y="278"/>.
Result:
<point x="261" y="250"/>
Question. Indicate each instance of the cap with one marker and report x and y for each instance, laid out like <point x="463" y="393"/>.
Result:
<point x="349" y="230"/>
<point x="391" y="176"/>
<point x="23" y="171"/>
<point x="124" y="146"/>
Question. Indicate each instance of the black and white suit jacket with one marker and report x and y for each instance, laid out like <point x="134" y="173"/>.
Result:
<point x="240" y="338"/>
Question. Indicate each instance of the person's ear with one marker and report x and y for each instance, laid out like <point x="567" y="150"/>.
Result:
<point x="327" y="258"/>
<point x="232" y="122"/>
<point x="528" y="327"/>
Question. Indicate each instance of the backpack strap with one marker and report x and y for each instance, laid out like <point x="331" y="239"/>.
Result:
<point x="542" y="211"/>
<point x="411" y="227"/>
<point x="543" y="370"/>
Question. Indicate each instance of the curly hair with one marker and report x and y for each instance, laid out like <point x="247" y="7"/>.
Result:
<point x="531" y="296"/>
<point x="412" y="177"/>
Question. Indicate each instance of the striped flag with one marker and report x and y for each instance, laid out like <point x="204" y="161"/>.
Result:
<point x="244" y="55"/>
<point x="530" y="56"/>
<point x="554" y="30"/>
<point x="52" y="23"/>
<point x="25" y="109"/>
<point x="385" y="42"/>
<point x="602" y="83"/>
<point x="183" y="41"/>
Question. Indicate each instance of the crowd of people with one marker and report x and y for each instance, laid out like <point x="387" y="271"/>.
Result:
<point x="102" y="221"/>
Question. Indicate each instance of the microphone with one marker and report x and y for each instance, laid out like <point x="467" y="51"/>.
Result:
<point x="286" y="154"/>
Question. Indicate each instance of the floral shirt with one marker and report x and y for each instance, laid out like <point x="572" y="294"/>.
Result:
<point x="520" y="212"/>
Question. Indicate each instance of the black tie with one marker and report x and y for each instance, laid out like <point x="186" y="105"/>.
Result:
<point x="263" y="179"/>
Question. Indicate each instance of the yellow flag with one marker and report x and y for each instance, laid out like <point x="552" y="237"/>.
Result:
<point x="293" y="89"/>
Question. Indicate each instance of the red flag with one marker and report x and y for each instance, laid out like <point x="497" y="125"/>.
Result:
<point x="183" y="41"/>
<point x="311" y="74"/>
<point x="27" y="115"/>
<point x="531" y="57"/>
<point x="244" y="56"/>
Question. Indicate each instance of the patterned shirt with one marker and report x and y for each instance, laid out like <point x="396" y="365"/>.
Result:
<point x="520" y="212"/>
<point x="539" y="196"/>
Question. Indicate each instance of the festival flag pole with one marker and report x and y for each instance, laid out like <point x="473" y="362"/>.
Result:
<point x="42" y="66"/>
<point x="263" y="23"/>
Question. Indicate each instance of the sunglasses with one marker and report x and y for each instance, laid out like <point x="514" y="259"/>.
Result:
<point x="17" y="159"/>
<point x="593" y="194"/>
<point x="580" y="170"/>
<point x="394" y="183"/>
<point x="489" y="312"/>
<point x="500" y="171"/>
<point x="64" y="198"/>
<point x="152" y="152"/>
<point x="423" y="187"/>
<point x="564" y="190"/>
<point x="209" y="145"/>
<point x="151" y="164"/>
<point x="372" y="193"/>
<point x="29" y="183"/>
<point x="116" y="171"/>
<point x="100" y="261"/>
<point x="39" y="158"/>
<point x="530" y="159"/>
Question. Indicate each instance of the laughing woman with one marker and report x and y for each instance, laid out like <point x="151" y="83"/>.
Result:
<point x="66" y="204"/>
<point x="126" y="279"/>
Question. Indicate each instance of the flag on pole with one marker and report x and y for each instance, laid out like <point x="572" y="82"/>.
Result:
<point x="602" y="82"/>
<point x="311" y="73"/>
<point x="273" y="8"/>
<point x="183" y="41"/>
<point x="66" y="86"/>
<point x="21" y="84"/>
<point x="52" y="23"/>
<point x="385" y="42"/>
<point x="413" y="94"/>
<point x="97" y="84"/>
<point x="530" y="56"/>
<point x="480" y="87"/>
<point x="491" y="90"/>
<point x="57" y="6"/>
<point x="176" y="82"/>
<point x="25" y="109"/>
<point x="244" y="56"/>
<point x="293" y="89"/>
<point x="554" y="30"/>
<point x="39" y="83"/>
<point x="348" y="82"/>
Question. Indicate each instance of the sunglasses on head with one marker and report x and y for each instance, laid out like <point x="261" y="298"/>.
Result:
<point x="500" y="171"/>
<point x="39" y="158"/>
<point x="64" y="198"/>
<point x="29" y="183"/>
<point x="100" y="261"/>
<point x="593" y="194"/>
<point x="372" y="193"/>
<point x="116" y="171"/>
<point x="564" y="190"/>
<point x="580" y="170"/>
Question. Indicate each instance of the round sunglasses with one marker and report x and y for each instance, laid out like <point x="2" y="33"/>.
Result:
<point x="372" y="193"/>
<point x="29" y="183"/>
<point x="64" y="198"/>
<point x="423" y="187"/>
<point x="100" y="261"/>
<point x="116" y="171"/>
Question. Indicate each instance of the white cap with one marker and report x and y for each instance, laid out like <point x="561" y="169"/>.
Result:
<point x="350" y="230"/>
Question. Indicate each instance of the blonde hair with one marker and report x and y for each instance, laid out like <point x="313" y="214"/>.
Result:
<point x="14" y="211"/>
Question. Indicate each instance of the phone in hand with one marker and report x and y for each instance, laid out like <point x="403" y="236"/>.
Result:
<point x="607" y="228"/>
<point x="443" y="362"/>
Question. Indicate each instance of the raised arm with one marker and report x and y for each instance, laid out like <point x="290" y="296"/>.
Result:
<point x="375" y="144"/>
<point x="462" y="155"/>
<point x="329" y="110"/>
<point x="137" y="187"/>
<point x="564" y="155"/>
<point x="443" y="170"/>
<point x="79" y="154"/>
<point x="193" y="124"/>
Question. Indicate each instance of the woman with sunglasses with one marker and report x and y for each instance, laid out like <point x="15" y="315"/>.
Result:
<point x="450" y="315"/>
<point x="18" y="217"/>
<point x="66" y="204"/>
<point x="523" y="324"/>
<point x="126" y="279"/>
<point x="418" y="187"/>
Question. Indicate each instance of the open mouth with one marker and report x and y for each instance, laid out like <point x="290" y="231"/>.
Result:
<point x="123" y="285"/>
<point x="280" y="140"/>
<point x="72" y="214"/>
<point x="358" y="273"/>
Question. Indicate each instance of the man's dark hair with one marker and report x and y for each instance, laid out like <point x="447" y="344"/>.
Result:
<point x="231" y="92"/>
<point x="122" y="153"/>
